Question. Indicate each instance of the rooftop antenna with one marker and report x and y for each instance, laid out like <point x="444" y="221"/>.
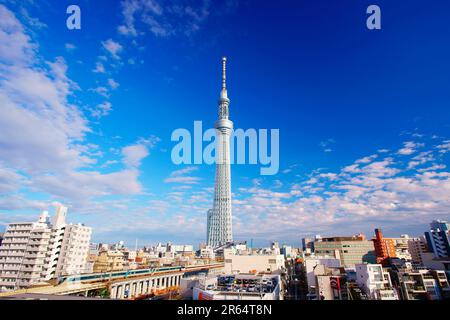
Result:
<point x="224" y="73"/>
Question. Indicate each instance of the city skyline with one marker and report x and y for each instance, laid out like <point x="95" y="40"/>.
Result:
<point x="364" y="132"/>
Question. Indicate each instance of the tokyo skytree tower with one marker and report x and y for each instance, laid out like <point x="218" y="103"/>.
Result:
<point x="219" y="224"/>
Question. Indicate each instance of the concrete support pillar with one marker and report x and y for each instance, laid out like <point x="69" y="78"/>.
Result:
<point x="113" y="292"/>
<point x="120" y="292"/>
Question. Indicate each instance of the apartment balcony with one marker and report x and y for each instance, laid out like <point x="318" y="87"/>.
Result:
<point x="8" y="284"/>
<point x="23" y="284"/>
<point x="8" y="267"/>
<point x="11" y="260"/>
<point x="17" y="247"/>
<point x="34" y="256"/>
<point x="14" y="242"/>
<point x="30" y="269"/>
<point x="33" y="261"/>
<point x="11" y="254"/>
<point x="30" y="276"/>
<point x="37" y="242"/>
<point x="39" y="236"/>
<point x="37" y="249"/>
<point x="417" y="289"/>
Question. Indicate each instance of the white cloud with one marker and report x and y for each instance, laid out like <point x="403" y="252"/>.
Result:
<point x="179" y="176"/>
<point x="114" y="48"/>
<point x="387" y="191"/>
<point x="135" y="153"/>
<point x="113" y="84"/>
<point x="325" y="145"/>
<point x="409" y="148"/>
<point x="43" y="137"/>
<point x="103" y="91"/>
<point x="159" y="18"/>
<point x="70" y="46"/>
<point x="101" y="110"/>
<point x="99" y="68"/>
<point x="444" y="147"/>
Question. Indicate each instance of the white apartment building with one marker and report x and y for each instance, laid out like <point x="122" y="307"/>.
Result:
<point x="375" y="282"/>
<point x="23" y="253"/>
<point x="74" y="250"/>
<point x="34" y="252"/>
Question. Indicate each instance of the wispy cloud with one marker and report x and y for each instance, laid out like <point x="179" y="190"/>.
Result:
<point x="180" y="176"/>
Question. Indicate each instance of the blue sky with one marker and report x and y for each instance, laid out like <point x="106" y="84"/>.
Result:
<point x="86" y="115"/>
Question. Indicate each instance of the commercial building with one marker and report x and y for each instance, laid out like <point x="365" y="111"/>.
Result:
<point x="239" y="287"/>
<point x="386" y="248"/>
<point x="252" y="263"/>
<point x="331" y="284"/>
<point x="312" y="263"/>
<point x="349" y="250"/>
<point x="375" y="282"/>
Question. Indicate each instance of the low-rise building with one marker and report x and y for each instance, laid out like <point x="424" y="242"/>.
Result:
<point x="312" y="263"/>
<point x="109" y="260"/>
<point x="423" y="284"/>
<point x="239" y="287"/>
<point x="252" y="263"/>
<point x="375" y="282"/>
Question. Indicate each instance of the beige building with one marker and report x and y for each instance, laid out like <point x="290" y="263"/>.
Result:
<point x="109" y="260"/>
<point x="251" y="263"/>
<point x="418" y="249"/>
<point x="349" y="250"/>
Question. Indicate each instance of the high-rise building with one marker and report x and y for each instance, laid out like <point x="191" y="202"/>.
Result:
<point x="438" y="238"/>
<point x="384" y="247"/>
<point x="34" y="252"/>
<point x="74" y="250"/>
<point x="23" y="253"/>
<point x="219" y="219"/>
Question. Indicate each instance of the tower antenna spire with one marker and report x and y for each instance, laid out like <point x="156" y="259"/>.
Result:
<point x="224" y="72"/>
